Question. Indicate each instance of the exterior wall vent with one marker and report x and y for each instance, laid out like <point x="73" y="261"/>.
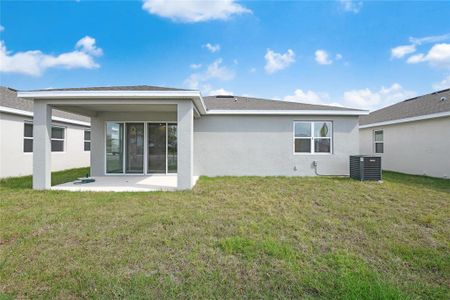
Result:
<point x="365" y="167"/>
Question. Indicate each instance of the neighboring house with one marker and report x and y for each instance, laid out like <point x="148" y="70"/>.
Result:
<point x="70" y="137"/>
<point x="412" y="136"/>
<point x="144" y="130"/>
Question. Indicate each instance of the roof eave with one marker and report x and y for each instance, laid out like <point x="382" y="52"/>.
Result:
<point x="194" y="95"/>
<point x="287" y="112"/>
<point x="405" y="120"/>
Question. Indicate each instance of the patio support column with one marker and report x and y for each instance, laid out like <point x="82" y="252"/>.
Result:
<point x="185" y="141"/>
<point x="42" y="132"/>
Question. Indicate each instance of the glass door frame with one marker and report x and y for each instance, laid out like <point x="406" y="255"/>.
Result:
<point x="145" y="160"/>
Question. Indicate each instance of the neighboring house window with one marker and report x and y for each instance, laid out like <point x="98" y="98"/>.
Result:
<point x="378" y="140"/>
<point x="28" y="137"/>
<point x="58" y="136"/>
<point x="313" y="137"/>
<point x="87" y="140"/>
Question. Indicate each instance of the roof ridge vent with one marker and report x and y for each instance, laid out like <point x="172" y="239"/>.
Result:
<point x="225" y="96"/>
<point x="410" y="99"/>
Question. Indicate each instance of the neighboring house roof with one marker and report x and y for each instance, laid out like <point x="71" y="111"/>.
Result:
<point x="117" y="88"/>
<point x="248" y="103"/>
<point x="9" y="99"/>
<point x="431" y="105"/>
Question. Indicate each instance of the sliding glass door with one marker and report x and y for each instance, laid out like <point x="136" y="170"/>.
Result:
<point x="126" y="152"/>
<point x="114" y="148"/>
<point x="156" y="162"/>
<point x="171" y="148"/>
<point x="135" y="148"/>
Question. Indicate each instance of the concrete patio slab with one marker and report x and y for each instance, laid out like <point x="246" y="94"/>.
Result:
<point x="124" y="184"/>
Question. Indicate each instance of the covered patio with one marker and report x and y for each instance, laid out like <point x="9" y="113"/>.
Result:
<point x="124" y="184"/>
<point x="141" y="137"/>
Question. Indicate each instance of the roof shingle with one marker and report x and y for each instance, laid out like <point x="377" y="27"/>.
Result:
<point x="248" y="103"/>
<point x="414" y="107"/>
<point x="8" y="98"/>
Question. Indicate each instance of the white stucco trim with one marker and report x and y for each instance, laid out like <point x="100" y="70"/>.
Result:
<point x="287" y="112"/>
<point x="411" y="119"/>
<point x="194" y="95"/>
<point x="20" y="112"/>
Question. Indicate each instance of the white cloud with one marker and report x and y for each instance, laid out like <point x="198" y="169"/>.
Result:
<point x="191" y="11"/>
<point x="443" y="84"/>
<point x="216" y="70"/>
<point x="277" y="61"/>
<point x="212" y="48"/>
<point x="310" y="97"/>
<point x="2" y="28"/>
<point x="416" y="58"/>
<point x="87" y="45"/>
<point x="213" y="71"/>
<point x="351" y="6"/>
<point x="367" y="99"/>
<point x="401" y="51"/>
<point x="338" y="56"/>
<point x="220" y="92"/>
<point x="429" y="39"/>
<point x="252" y="70"/>
<point x="35" y="62"/>
<point x="322" y="57"/>
<point x="195" y="66"/>
<point x="437" y="56"/>
<point x="304" y="96"/>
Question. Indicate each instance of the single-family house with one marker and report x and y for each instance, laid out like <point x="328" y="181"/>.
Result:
<point x="412" y="136"/>
<point x="142" y="131"/>
<point x="69" y="137"/>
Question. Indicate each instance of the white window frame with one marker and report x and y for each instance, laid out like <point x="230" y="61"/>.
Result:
<point x="51" y="139"/>
<point x="87" y="141"/>
<point x="312" y="138"/>
<point x="378" y="142"/>
<point x="56" y="139"/>
<point x="28" y="138"/>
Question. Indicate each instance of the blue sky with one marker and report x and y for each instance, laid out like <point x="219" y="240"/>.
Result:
<point x="357" y="54"/>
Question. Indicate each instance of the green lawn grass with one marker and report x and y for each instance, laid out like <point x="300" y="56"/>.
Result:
<point x="230" y="237"/>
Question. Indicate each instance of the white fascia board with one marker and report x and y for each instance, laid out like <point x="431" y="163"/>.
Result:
<point x="287" y="112"/>
<point x="194" y="95"/>
<point x="405" y="120"/>
<point x="26" y="113"/>
<point x="107" y="94"/>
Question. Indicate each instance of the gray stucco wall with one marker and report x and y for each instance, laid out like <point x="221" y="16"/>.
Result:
<point x="421" y="147"/>
<point x="263" y="146"/>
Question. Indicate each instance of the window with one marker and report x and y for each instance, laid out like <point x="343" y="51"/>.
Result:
<point x="28" y="137"/>
<point x="378" y="141"/>
<point x="114" y="148"/>
<point x="87" y="140"/>
<point x="58" y="134"/>
<point x="313" y="137"/>
<point x="171" y="148"/>
<point x="57" y="140"/>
